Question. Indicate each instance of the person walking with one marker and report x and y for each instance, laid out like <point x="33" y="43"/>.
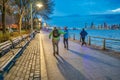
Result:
<point x="55" y="33"/>
<point x="65" y="38"/>
<point x="83" y="34"/>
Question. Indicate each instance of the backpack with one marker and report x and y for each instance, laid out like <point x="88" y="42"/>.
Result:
<point x="56" y="33"/>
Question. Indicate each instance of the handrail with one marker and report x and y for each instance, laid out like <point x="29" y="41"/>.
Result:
<point x="74" y="36"/>
<point x="105" y="38"/>
<point x="103" y="42"/>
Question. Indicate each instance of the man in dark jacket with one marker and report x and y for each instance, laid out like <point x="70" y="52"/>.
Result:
<point x="83" y="34"/>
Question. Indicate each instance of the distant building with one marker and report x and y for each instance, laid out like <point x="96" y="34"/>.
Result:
<point x="105" y="25"/>
<point x="92" y="26"/>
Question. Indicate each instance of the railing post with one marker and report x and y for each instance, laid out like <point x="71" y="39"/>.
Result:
<point x="80" y="39"/>
<point x="89" y="40"/>
<point x="73" y="36"/>
<point x="104" y="44"/>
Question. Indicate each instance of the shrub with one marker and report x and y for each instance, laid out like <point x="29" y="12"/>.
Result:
<point x="7" y="35"/>
<point x="14" y="34"/>
<point x="4" y="37"/>
<point x="25" y="31"/>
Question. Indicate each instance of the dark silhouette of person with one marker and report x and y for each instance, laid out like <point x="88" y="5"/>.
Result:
<point x="83" y="34"/>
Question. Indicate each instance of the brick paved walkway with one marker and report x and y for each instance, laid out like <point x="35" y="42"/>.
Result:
<point x="77" y="63"/>
<point x="27" y="66"/>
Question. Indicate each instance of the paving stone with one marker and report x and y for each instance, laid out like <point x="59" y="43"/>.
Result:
<point x="27" y="64"/>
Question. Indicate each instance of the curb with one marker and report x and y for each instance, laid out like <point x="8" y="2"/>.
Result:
<point x="44" y="75"/>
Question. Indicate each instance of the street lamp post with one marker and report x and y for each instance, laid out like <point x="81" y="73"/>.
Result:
<point x="38" y="5"/>
<point x="31" y="17"/>
<point x="40" y="23"/>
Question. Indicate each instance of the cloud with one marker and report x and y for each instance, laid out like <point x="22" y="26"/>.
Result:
<point x="116" y="10"/>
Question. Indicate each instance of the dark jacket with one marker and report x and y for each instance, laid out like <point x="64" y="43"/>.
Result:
<point x="83" y="33"/>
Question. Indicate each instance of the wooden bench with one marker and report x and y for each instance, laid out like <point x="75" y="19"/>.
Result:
<point x="11" y="44"/>
<point x="5" y="47"/>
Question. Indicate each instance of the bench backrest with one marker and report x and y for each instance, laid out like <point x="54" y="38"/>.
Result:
<point x="6" y="46"/>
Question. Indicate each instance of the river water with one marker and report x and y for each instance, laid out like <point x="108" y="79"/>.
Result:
<point x="110" y="44"/>
<point x="114" y="34"/>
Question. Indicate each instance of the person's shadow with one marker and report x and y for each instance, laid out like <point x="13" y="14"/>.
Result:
<point x="94" y="59"/>
<point x="68" y="71"/>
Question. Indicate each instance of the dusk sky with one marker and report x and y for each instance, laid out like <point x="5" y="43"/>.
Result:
<point x="86" y="7"/>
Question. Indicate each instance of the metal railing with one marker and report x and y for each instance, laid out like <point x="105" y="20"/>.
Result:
<point x="104" y="43"/>
<point x="74" y="36"/>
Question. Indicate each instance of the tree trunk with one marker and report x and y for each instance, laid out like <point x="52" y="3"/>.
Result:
<point x="26" y="23"/>
<point x="3" y="18"/>
<point x="20" y="24"/>
<point x="20" y="21"/>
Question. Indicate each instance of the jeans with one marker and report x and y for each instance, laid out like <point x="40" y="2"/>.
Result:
<point x="83" y="41"/>
<point x="65" y="41"/>
<point x="55" y="46"/>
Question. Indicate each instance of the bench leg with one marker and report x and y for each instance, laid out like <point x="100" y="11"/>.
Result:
<point x="1" y="75"/>
<point x="12" y="52"/>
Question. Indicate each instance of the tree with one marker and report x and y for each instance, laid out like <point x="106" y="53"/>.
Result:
<point x="22" y="8"/>
<point x="43" y="12"/>
<point x="19" y="7"/>
<point x="3" y="11"/>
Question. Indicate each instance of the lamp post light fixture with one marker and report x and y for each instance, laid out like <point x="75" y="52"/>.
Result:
<point x="40" y="19"/>
<point x="40" y="6"/>
<point x="40" y="22"/>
